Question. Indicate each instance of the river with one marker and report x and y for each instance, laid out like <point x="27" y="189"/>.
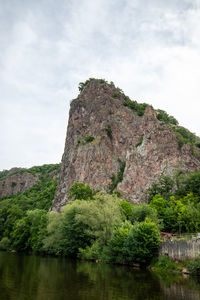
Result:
<point x="29" y="277"/>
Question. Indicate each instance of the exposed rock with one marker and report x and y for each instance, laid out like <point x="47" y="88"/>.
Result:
<point x="148" y="147"/>
<point x="16" y="183"/>
<point x="18" y="180"/>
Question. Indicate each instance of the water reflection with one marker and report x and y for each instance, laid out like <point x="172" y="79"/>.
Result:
<point x="46" y="278"/>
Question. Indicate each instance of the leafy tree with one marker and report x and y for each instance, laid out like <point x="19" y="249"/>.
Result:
<point x="52" y="240"/>
<point x="29" y="231"/>
<point x="143" y="211"/>
<point x="80" y="191"/>
<point x="164" y="187"/>
<point x="116" y="244"/>
<point x="126" y="208"/>
<point x="74" y="232"/>
<point x="101" y="215"/>
<point x="142" y="242"/>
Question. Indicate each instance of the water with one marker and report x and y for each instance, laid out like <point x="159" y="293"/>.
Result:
<point x="46" y="278"/>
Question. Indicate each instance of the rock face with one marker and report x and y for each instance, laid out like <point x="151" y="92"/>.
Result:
<point x="16" y="183"/>
<point x="102" y="132"/>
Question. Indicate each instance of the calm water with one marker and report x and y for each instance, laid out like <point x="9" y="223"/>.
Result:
<point x="46" y="278"/>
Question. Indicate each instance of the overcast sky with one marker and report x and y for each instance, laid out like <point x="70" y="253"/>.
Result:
<point x="149" y="48"/>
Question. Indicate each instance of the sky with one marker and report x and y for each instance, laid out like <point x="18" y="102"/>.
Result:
<point x="148" y="48"/>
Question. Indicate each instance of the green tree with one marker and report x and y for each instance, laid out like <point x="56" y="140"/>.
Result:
<point x="116" y="244"/>
<point x="142" y="242"/>
<point x="80" y="191"/>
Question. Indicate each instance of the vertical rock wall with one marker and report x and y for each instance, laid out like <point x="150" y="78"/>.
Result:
<point x="92" y="154"/>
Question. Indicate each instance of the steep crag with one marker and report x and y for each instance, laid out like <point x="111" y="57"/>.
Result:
<point x="103" y="134"/>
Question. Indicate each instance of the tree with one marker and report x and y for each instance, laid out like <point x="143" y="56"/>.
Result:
<point x="80" y="191"/>
<point x="142" y="242"/>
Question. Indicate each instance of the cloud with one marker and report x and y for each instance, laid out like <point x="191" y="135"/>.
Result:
<point x="150" y="49"/>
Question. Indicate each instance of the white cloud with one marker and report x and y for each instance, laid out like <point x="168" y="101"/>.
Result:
<point x="150" y="49"/>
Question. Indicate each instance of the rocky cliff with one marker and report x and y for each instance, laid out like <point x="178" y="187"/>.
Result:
<point x="18" y="180"/>
<point x="113" y="143"/>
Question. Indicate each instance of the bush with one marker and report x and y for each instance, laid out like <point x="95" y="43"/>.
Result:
<point x="134" y="105"/>
<point x="109" y="131"/>
<point x="164" y="117"/>
<point x="118" y="178"/>
<point x="164" y="263"/>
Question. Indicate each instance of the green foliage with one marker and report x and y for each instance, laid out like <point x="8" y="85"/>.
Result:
<point x="139" y="142"/>
<point x="109" y="131"/>
<point x="5" y="243"/>
<point x="80" y="191"/>
<point x="14" y="208"/>
<point x="118" y="178"/>
<point x="74" y="234"/>
<point x="194" y="266"/>
<point x="86" y="139"/>
<point x="101" y="215"/>
<point x="141" y="212"/>
<point x="115" y="95"/>
<point x="192" y="184"/>
<point x="164" y="264"/>
<point x="178" y="214"/>
<point x="51" y="242"/>
<point x="134" y="105"/>
<point x="116" y="244"/>
<point x="142" y="242"/>
<point x="126" y="208"/>
<point x="41" y="171"/>
<point x="197" y="144"/>
<point x="82" y="85"/>
<point x="164" y="117"/>
<point x="164" y="187"/>
<point x="3" y="174"/>
<point x="29" y="231"/>
<point x="184" y="136"/>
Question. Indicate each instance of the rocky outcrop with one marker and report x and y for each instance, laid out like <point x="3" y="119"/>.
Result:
<point x="102" y="133"/>
<point x="16" y="183"/>
<point x="18" y="180"/>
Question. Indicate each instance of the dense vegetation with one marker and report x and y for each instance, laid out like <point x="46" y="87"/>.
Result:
<point x="177" y="202"/>
<point x="97" y="225"/>
<point x="16" y="211"/>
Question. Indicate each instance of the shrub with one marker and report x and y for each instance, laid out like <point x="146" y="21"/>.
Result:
<point x="164" y="117"/>
<point x="134" y="105"/>
<point x="109" y="131"/>
<point x="118" y="178"/>
<point x="115" y="95"/>
<point x="194" y="266"/>
<point x="164" y="263"/>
